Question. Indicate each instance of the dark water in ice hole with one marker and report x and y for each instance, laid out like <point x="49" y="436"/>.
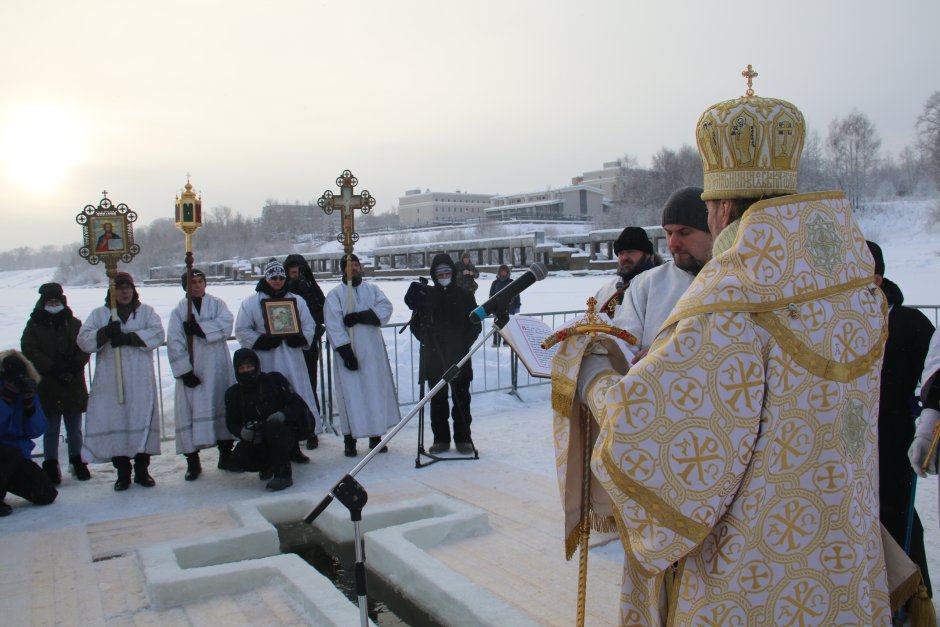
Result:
<point x="387" y="606"/>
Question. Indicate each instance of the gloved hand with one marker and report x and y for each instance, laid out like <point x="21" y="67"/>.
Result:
<point x="348" y="356"/>
<point x="266" y="342"/>
<point x="121" y="339"/>
<point x="277" y="417"/>
<point x="352" y="319"/>
<point x="251" y="432"/>
<point x="9" y="392"/>
<point x="193" y="328"/>
<point x="321" y="329"/>
<point x="296" y="341"/>
<point x="369" y="317"/>
<point x="920" y="447"/>
<point x="113" y="329"/>
<point x="27" y="387"/>
<point x="190" y="379"/>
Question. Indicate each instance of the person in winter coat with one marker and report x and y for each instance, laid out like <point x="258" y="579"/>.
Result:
<point x="201" y="377"/>
<point x="278" y="352"/>
<point x="446" y="333"/>
<point x="21" y="421"/>
<point x="116" y="431"/>
<point x="466" y="274"/>
<point x="266" y="414"/>
<point x="364" y="387"/>
<point x="909" y="333"/>
<point x="50" y="342"/>
<point x="300" y="281"/>
<point x="502" y="280"/>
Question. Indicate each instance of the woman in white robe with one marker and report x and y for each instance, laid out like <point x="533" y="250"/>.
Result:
<point x="366" y="396"/>
<point x="201" y="383"/>
<point x="117" y="431"/>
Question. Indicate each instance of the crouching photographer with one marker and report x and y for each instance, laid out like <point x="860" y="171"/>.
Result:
<point x="267" y="416"/>
<point x="21" y="421"/>
<point x="441" y="323"/>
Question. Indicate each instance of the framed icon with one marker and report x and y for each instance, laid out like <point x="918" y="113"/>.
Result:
<point x="281" y="316"/>
<point x="109" y="236"/>
<point x="107" y="233"/>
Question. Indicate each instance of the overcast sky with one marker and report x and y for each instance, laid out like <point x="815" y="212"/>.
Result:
<point x="273" y="100"/>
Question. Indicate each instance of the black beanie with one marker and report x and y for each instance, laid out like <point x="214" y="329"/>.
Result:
<point x="48" y="291"/>
<point x="686" y="208"/>
<point x="633" y="238"/>
<point x="196" y="272"/>
<point x="342" y="262"/>
<point x="879" y="257"/>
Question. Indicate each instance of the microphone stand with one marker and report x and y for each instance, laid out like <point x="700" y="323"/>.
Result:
<point x="353" y="495"/>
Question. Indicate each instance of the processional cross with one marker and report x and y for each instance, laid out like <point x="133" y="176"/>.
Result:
<point x="347" y="202"/>
<point x="750" y="75"/>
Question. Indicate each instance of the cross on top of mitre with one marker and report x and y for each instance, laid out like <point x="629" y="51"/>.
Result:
<point x="750" y="74"/>
<point x="346" y="202"/>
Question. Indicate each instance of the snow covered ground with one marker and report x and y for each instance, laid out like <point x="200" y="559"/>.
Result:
<point x="505" y="428"/>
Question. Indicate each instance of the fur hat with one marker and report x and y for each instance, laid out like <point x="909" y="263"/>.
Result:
<point x="633" y="238"/>
<point x="274" y="268"/>
<point x="879" y="257"/>
<point x="50" y="291"/>
<point x="503" y="267"/>
<point x="14" y="362"/>
<point x="195" y="272"/>
<point x="686" y="208"/>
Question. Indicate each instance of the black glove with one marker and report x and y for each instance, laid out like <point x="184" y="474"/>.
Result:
<point x="132" y="339"/>
<point x="190" y="379"/>
<point x="369" y="317"/>
<point x="266" y="342"/>
<point x="113" y="329"/>
<point x="348" y="356"/>
<point x="296" y="341"/>
<point x="418" y="293"/>
<point x="193" y="328"/>
<point x="251" y="432"/>
<point x="121" y="339"/>
<point x="318" y="334"/>
<point x="62" y="372"/>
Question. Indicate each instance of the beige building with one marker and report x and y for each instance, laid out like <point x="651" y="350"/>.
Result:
<point x="577" y="202"/>
<point x="427" y="207"/>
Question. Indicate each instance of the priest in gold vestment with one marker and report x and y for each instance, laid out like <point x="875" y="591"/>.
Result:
<point x="741" y="454"/>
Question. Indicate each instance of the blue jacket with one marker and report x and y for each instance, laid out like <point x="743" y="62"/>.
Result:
<point x="18" y="431"/>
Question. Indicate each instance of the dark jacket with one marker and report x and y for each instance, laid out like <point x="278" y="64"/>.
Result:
<point x="516" y="303"/>
<point x="307" y="288"/>
<point x="466" y="281"/>
<point x="49" y="342"/>
<point x="252" y="403"/>
<point x="446" y="331"/>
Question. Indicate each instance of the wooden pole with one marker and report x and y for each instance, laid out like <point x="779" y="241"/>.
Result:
<point x="585" y="523"/>
<point x="189" y="296"/>
<point x="111" y="269"/>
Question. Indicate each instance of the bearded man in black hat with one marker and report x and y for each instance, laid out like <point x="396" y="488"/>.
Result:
<point x="49" y="341"/>
<point x="115" y="431"/>
<point x="635" y="255"/>
<point x="201" y="377"/>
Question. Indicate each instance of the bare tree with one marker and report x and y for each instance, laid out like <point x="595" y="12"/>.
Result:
<point x="853" y="149"/>
<point x="814" y="169"/>
<point x="928" y="127"/>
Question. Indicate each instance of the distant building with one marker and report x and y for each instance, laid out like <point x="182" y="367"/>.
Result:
<point x="427" y="207"/>
<point x="577" y="202"/>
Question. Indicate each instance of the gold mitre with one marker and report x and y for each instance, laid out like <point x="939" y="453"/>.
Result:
<point x="750" y="146"/>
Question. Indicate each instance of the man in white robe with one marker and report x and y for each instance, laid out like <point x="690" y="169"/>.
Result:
<point x="115" y="431"/>
<point x="365" y="389"/>
<point x="278" y="352"/>
<point x="635" y="255"/>
<point x="201" y="377"/>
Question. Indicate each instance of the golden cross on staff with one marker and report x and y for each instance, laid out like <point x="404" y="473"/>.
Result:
<point x="347" y="202"/>
<point x="750" y="75"/>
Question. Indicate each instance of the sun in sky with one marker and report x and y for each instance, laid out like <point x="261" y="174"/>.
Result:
<point x="39" y="144"/>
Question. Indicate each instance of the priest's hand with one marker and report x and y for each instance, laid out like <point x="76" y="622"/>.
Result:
<point x="113" y="329"/>
<point x="348" y="356"/>
<point x="266" y="342"/>
<point x="296" y="341"/>
<point x="920" y="447"/>
<point x="193" y="328"/>
<point x="190" y="379"/>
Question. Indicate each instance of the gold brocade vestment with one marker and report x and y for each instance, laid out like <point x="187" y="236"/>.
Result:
<point x="743" y="448"/>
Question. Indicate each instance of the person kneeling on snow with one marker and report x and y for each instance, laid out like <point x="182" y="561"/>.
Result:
<point x="21" y="421"/>
<point x="267" y="416"/>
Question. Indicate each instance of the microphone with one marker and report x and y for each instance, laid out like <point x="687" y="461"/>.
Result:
<point x="502" y="298"/>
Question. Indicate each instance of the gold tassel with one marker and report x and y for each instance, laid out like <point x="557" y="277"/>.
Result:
<point x="923" y="613"/>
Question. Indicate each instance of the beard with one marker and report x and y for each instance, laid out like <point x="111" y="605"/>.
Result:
<point x="685" y="261"/>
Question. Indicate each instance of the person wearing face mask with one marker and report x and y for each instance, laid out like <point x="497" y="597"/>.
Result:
<point x="117" y="431"/>
<point x="49" y="341"/>
<point x="267" y="416"/>
<point x="446" y="333"/>
<point x="365" y="390"/>
<point x="279" y="353"/>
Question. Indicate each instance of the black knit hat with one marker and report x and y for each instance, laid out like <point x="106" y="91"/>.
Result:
<point x="633" y="238"/>
<point x="686" y="207"/>
<point x="342" y="261"/>
<point x="49" y="291"/>
<point x="196" y="272"/>
<point x="879" y="257"/>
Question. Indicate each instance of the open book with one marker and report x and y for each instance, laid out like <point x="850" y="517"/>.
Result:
<point x="525" y="335"/>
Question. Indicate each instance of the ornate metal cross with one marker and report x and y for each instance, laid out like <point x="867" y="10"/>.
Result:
<point x="346" y="202"/>
<point x="750" y="75"/>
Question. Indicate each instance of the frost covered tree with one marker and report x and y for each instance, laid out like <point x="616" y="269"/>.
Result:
<point x="852" y="147"/>
<point x="928" y="127"/>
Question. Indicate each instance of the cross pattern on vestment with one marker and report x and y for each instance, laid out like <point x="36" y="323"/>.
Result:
<point x="801" y="599"/>
<point x="750" y="75"/>
<point x="832" y="478"/>
<point x="793" y="516"/>
<point x="347" y="202"/>
<point x="700" y="458"/>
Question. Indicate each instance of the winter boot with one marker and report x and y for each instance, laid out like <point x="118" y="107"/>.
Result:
<point x="79" y="468"/>
<point x="225" y="454"/>
<point x="374" y="441"/>
<point x="350" y="445"/>
<point x="282" y="479"/>
<point x="123" y="466"/>
<point x="297" y="456"/>
<point x="193" y="467"/>
<point x="51" y="468"/>
<point x="313" y="442"/>
<point x="141" y="476"/>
